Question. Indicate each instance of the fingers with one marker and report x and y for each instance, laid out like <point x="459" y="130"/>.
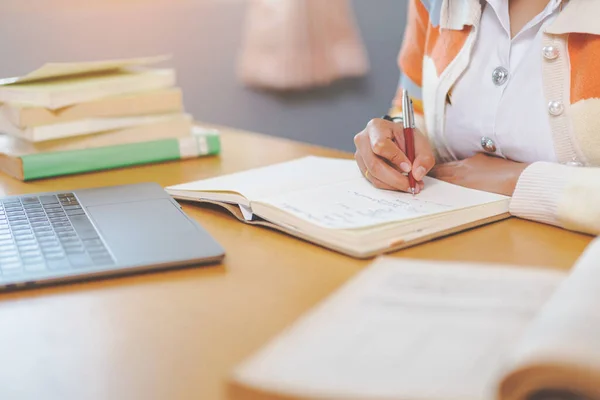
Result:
<point x="387" y="141"/>
<point x="379" y="169"/>
<point x="381" y="151"/>
<point x="424" y="159"/>
<point x="382" y="134"/>
<point x="374" y="181"/>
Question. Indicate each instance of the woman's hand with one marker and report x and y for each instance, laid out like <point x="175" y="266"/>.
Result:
<point x="380" y="154"/>
<point x="482" y="172"/>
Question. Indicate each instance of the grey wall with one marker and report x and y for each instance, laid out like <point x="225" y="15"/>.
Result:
<point x="203" y="36"/>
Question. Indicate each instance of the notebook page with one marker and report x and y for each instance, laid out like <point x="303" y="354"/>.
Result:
<point x="566" y="332"/>
<point x="284" y="177"/>
<point x="405" y="329"/>
<point x="355" y="203"/>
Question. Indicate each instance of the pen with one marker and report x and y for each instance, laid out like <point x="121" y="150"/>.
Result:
<point x="408" y="120"/>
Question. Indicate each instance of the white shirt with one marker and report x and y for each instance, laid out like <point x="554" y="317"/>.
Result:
<point x="512" y="114"/>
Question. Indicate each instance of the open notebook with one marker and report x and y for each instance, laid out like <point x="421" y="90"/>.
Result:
<point x="406" y="329"/>
<point x="327" y="201"/>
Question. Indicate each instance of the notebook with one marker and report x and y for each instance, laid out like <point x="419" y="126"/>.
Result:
<point x="328" y="202"/>
<point x="162" y="141"/>
<point x="160" y="101"/>
<point x="407" y="329"/>
<point x="60" y="85"/>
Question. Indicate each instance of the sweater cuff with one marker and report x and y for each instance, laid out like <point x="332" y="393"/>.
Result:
<point x="539" y="192"/>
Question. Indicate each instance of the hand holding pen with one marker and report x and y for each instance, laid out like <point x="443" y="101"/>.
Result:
<point x="392" y="154"/>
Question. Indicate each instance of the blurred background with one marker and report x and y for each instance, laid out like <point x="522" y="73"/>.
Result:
<point x="204" y="37"/>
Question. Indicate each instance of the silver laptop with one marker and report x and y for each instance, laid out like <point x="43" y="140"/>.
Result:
<point x="54" y="237"/>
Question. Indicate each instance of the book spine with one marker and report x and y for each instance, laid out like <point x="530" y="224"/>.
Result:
<point x="196" y="144"/>
<point x="45" y="165"/>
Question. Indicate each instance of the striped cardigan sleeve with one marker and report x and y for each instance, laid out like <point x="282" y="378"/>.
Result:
<point x="410" y="57"/>
<point x="561" y="195"/>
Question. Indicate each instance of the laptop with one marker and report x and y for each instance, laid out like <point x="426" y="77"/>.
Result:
<point x="64" y="236"/>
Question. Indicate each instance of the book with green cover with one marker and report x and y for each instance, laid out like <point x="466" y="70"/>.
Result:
<point x="38" y="165"/>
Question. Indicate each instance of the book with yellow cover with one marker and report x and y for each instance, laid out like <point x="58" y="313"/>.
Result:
<point x="59" y="85"/>
<point x="82" y="127"/>
<point x="160" y="101"/>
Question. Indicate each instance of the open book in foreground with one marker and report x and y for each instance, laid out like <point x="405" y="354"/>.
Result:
<point x="407" y="329"/>
<point x="327" y="201"/>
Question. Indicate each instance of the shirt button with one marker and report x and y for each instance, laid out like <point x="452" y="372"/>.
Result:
<point x="550" y="52"/>
<point x="573" y="163"/>
<point x="556" y="107"/>
<point x="488" y="144"/>
<point x="500" y="76"/>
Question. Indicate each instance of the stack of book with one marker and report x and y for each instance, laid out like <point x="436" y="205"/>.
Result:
<point x="79" y="117"/>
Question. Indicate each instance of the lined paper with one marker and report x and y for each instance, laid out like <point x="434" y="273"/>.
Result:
<point x="355" y="203"/>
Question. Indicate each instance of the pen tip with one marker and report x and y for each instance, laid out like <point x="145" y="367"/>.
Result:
<point x="412" y="190"/>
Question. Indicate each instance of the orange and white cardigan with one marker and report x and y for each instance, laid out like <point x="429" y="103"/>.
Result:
<point x="436" y="50"/>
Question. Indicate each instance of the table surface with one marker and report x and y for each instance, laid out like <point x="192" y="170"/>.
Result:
<point x="178" y="334"/>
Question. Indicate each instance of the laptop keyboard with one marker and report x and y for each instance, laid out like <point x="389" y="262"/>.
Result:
<point x="40" y="233"/>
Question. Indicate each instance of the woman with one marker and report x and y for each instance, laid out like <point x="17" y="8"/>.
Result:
<point x="507" y="100"/>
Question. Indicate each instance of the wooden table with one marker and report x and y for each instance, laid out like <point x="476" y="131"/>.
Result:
<point x="176" y="335"/>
